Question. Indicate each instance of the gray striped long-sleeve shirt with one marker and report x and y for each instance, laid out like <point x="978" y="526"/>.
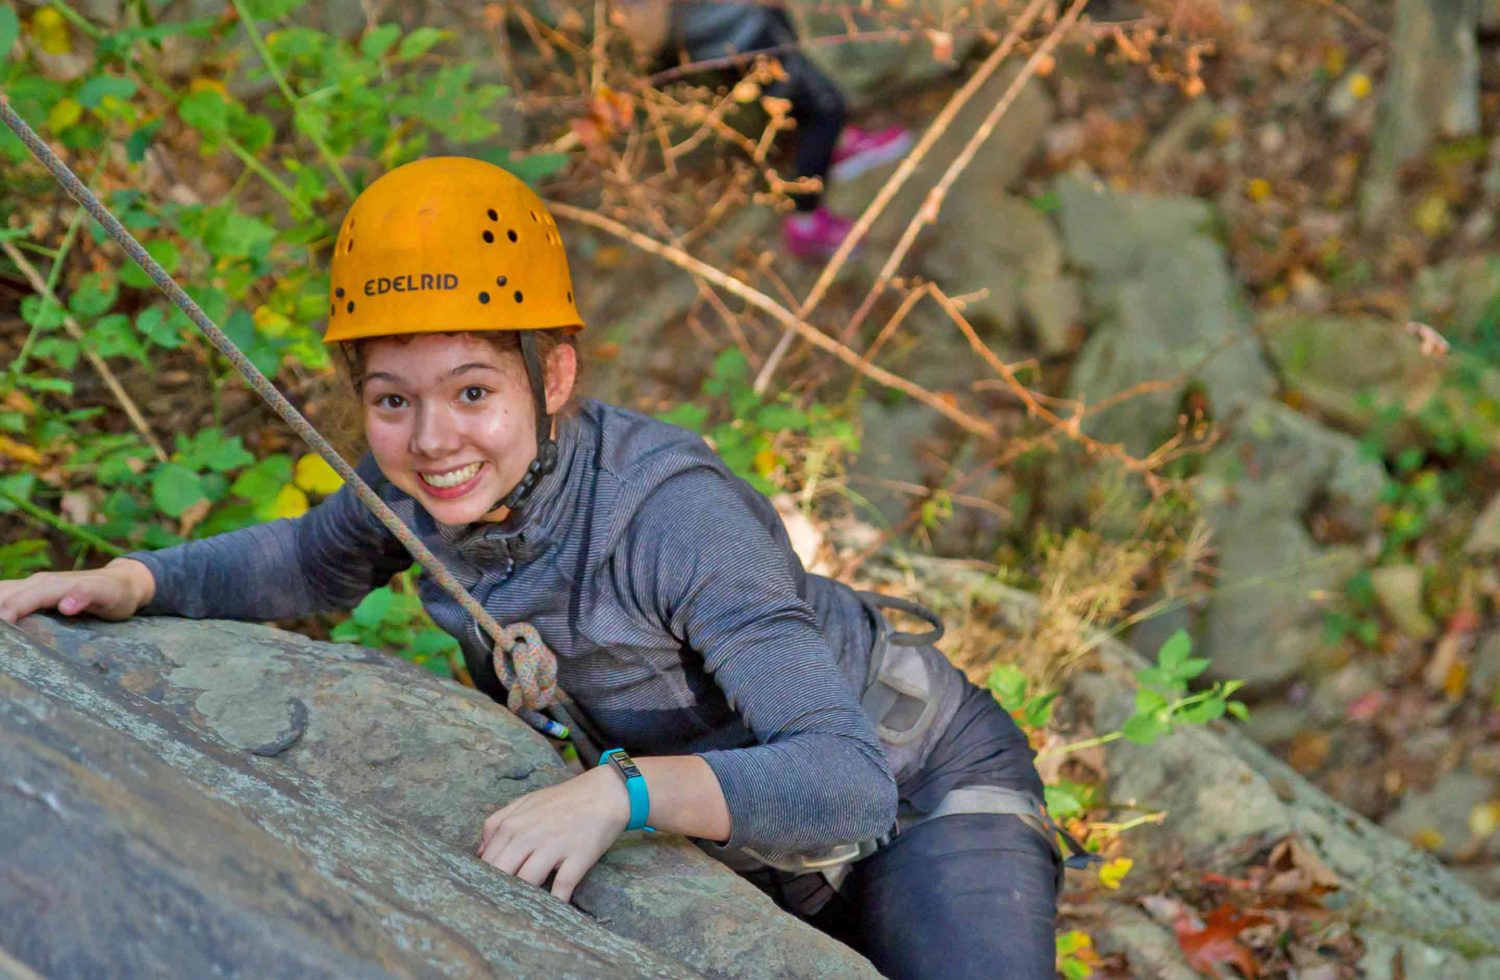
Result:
<point x="682" y="620"/>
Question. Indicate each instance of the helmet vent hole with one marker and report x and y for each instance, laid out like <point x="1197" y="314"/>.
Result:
<point x="350" y="306"/>
<point x="494" y="215"/>
<point x="350" y="247"/>
<point x="489" y="236"/>
<point x="339" y="292"/>
<point x="484" y="297"/>
<point x="519" y="297"/>
<point x="570" y="296"/>
<point x="500" y="280"/>
<point x="533" y="216"/>
<point x="511" y="234"/>
<point x="332" y="309"/>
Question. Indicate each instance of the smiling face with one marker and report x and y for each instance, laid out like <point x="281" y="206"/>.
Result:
<point x="450" y="421"/>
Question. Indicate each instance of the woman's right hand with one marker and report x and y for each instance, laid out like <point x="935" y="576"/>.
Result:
<point x="115" y="591"/>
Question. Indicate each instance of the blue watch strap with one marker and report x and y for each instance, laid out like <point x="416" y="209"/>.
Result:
<point x="635" y="787"/>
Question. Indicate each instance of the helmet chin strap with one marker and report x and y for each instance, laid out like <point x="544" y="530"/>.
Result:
<point x="546" y="447"/>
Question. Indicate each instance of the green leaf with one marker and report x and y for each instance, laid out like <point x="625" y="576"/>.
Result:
<point x="1009" y="685"/>
<point x="60" y="350"/>
<point x="50" y="386"/>
<point x="44" y="314"/>
<point x="211" y="449"/>
<point x="1203" y="712"/>
<point x="372" y="610"/>
<point x="94" y="295"/>
<point x="175" y="488"/>
<point x="95" y="89"/>
<point x="1144" y="729"/>
<point x="378" y="41"/>
<point x="22" y="557"/>
<point x="114" y="336"/>
<point x="1039" y="710"/>
<point x="1148" y="701"/>
<point x="17" y="485"/>
<point x="1064" y="800"/>
<point x="687" y="415"/>
<point x="781" y="417"/>
<point x="10" y="29"/>
<point x="431" y="642"/>
<point x="162" y="326"/>
<point x="419" y="42"/>
<point x="264" y="480"/>
<point x="1238" y="709"/>
<point x="730" y="367"/>
<point x="206" y="111"/>
<point x="166" y="255"/>
<point x="1176" y="649"/>
<point x="271" y="9"/>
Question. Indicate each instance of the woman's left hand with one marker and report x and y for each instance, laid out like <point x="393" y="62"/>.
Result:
<point x="564" y="828"/>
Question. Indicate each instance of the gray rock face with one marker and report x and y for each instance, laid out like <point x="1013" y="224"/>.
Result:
<point x="1349" y="366"/>
<point x="249" y="782"/>
<point x="1430" y="91"/>
<point x="1164" y="308"/>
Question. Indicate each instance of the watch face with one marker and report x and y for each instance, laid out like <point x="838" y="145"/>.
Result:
<point x="623" y="763"/>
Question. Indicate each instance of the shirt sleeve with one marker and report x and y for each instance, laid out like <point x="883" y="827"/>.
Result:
<point x="704" y="567"/>
<point x="329" y="558"/>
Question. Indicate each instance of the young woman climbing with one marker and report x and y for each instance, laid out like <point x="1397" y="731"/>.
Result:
<point x="773" y="715"/>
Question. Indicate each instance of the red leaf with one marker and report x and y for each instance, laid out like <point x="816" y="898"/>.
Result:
<point x="1217" y="942"/>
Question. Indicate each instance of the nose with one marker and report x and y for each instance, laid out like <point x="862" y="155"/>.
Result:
<point x="433" y="433"/>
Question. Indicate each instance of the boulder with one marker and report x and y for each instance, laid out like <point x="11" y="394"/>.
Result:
<point x="1264" y="622"/>
<point x="372" y="777"/>
<point x="1163" y="307"/>
<point x="1398" y="590"/>
<point x="1431" y="91"/>
<point x="1348" y="367"/>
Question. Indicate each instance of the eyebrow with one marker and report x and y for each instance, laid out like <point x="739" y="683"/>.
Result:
<point x="461" y="369"/>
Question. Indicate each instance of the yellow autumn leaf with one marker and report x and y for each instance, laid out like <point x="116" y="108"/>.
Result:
<point x="1428" y="839"/>
<point x="1360" y="85"/>
<point x="1433" y="216"/>
<point x="765" y="462"/>
<point x="200" y="84"/>
<point x="1111" y="873"/>
<point x="314" y="475"/>
<point x="289" y="502"/>
<point x="64" y="113"/>
<point x="19" y="451"/>
<point x="1484" y="819"/>
<point x="51" y="31"/>
<point x="1258" y="189"/>
<point x="270" y="322"/>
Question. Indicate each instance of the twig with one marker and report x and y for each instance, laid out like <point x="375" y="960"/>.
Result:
<point x="896" y="181"/>
<point x="53" y="274"/>
<point x="969" y="423"/>
<point x="57" y="523"/>
<point x="76" y="332"/>
<point x="294" y="103"/>
<point x="928" y="212"/>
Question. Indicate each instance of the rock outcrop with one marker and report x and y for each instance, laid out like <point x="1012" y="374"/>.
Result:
<point x="189" y="797"/>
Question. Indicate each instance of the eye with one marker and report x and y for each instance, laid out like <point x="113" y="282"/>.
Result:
<point x="390" y="401"/>
<point x="474" y="393"/>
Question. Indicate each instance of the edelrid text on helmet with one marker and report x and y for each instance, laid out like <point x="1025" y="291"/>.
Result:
<point x="446" y="244"/>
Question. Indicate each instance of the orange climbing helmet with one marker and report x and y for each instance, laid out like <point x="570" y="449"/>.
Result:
<point x="446" y="244"/>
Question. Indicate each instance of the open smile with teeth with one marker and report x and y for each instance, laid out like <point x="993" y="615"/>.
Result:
<point x="451" y="478"/>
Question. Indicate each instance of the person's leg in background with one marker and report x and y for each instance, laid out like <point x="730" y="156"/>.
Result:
<point x="971" y="895"/>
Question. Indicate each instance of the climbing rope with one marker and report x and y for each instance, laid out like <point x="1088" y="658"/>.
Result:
<point x="524" y="664"/>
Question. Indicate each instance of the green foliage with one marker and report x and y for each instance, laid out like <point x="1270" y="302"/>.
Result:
<point x="329" y="114"/>
<point x="1162" y="702"/>
<point x="394" y="620"/>
<point x="760" y="438"/>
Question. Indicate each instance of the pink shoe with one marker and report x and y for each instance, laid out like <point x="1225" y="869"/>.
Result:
<point x="814" y="234"/>
<point x="859" y="149"/>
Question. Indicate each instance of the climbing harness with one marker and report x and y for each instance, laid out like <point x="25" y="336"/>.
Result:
<point x="900" y="697"/>
<point x="523" y="664"/>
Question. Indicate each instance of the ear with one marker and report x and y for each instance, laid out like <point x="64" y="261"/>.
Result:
<point x="561" y="372"/>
